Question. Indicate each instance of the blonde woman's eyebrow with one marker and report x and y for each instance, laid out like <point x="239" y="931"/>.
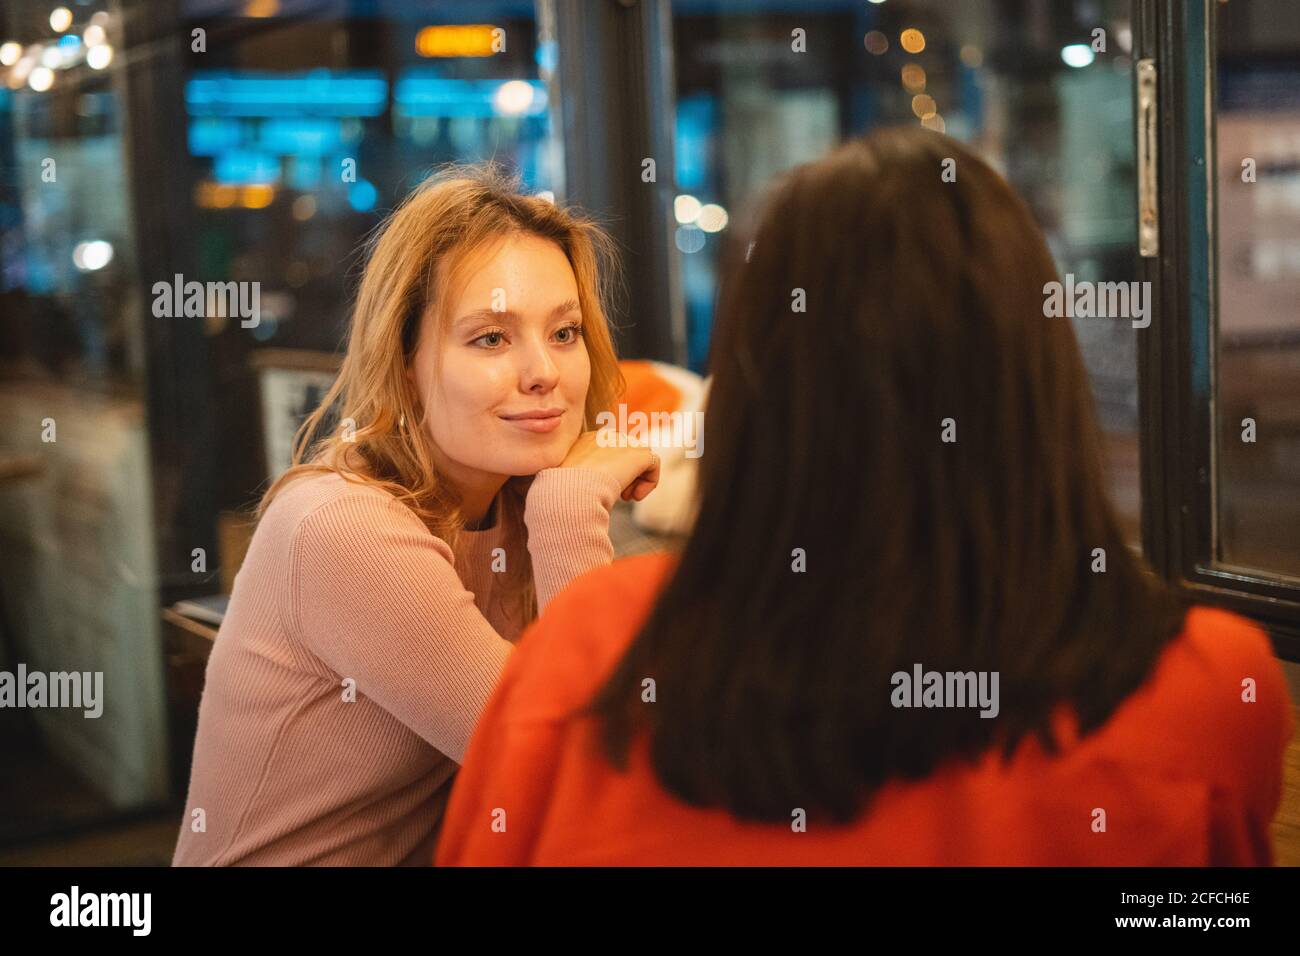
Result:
<point x="489" y="315"/>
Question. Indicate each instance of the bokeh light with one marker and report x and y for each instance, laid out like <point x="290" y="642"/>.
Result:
<point x="912" y="40"/>
<point x="913" y="78"/>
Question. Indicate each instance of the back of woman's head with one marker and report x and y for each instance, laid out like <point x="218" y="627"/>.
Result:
<point x="903" y="468"/>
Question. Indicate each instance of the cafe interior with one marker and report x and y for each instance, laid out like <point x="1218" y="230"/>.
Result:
<point x="142" y="142"/>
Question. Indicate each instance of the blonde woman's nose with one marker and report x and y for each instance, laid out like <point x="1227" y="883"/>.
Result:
<point x="537" y="371"/>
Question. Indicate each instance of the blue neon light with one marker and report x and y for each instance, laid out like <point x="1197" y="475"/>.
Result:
<point x="362" y="195"/>
<point x="310" y="93"/>
<point x="238" y="167"/>
<point x="417" y="93"/>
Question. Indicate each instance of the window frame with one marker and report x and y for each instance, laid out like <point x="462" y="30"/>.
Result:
<point x="1177" y="383"/>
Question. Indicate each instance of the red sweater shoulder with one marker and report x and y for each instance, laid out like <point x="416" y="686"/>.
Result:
<point x="564" y="658"/>
<point x="1188" y="767"/>
<point x="1216" y="703"/>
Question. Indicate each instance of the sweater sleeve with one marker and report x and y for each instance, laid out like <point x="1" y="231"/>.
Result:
<point x="567" y="514"/>
<point x="1250" y="769"/>
<point x="1273" y="727"/>
<point x="377" y="598"/>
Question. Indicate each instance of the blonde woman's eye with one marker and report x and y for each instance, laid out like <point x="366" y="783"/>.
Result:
<point x="573" y="331"/>
<point x="490" y="340"/>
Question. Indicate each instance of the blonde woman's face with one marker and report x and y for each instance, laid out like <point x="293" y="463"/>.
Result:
<point x="505" y="388"/>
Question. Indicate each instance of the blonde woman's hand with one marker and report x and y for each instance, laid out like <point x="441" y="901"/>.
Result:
<point x="635" y="467"/>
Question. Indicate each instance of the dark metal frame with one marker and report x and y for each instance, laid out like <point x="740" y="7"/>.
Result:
<point x="1176" y="355"/>
<point x="617" y="108"/>
<point x="182" y="426"/>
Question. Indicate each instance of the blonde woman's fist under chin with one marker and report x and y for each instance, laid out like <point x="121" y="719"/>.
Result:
<point x="636" y="467"/>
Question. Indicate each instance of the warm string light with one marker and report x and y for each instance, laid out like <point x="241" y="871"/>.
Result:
<point x="60" y="19"/>
<point x="914" y="80"/>
<point x="37" y="64"/>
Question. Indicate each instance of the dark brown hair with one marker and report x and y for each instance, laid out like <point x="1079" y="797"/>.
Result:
<point x="924" y="302"/>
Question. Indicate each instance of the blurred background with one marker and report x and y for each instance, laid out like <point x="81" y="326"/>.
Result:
<point x="261" y="141"/>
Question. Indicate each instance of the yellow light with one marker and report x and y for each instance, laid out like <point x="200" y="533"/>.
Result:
<point x="215" y="195"/>
<point x="923" y="105"/>
<point x="99" y="56"/>
<point x="913" y="40"/>
<point x="10" y="52"/>
<point x="473" y="39"/>
<point x="262" y="8"/>
<point x="913" y="78"/>
<point x="60" y="19"/>
<point x="712" y="218"/>
<point x="514" y="97"/>
<point x="256" y="196"/>
<point x="41" y="79"/>
<point x="935" y="122"/>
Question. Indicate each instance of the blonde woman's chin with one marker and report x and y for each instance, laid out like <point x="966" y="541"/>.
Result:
<point x="529" y="464"/>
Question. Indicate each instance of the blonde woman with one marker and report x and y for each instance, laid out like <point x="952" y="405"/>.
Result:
<point x="457" y="488"/>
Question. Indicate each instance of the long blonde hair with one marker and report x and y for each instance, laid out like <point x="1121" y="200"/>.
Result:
<point x="376" y="438"/>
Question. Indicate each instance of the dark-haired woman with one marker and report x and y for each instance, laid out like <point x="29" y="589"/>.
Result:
<point x="906" y="628"/>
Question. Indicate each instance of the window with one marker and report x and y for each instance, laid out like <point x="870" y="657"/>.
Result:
<point x="1257" y="289"/>
<point x="1044" y="96"/>
<point x="1219" y="374"/>
<point x="220" y="141"/>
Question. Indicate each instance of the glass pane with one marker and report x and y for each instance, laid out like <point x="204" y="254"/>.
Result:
<point x="78" y="580"/>
<point x="1044" y="94"/>
<point x="302" y="132"/>
<point x="1257" y="235"/>
<point x="251" y="143"/>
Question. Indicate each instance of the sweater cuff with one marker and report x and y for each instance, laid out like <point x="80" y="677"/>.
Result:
<point x="568" y="493"/>
<point x="567" y="514"/>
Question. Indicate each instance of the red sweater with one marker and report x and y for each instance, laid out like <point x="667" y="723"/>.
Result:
<point x="1186" y="771"/>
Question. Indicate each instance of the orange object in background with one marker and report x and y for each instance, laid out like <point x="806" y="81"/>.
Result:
<point x="647" y="390"/>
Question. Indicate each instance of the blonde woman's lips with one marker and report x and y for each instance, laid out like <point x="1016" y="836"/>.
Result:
<point x="540" y="420"/>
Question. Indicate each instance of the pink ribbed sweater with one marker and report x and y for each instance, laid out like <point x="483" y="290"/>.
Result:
<point x="343" y="581"/>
